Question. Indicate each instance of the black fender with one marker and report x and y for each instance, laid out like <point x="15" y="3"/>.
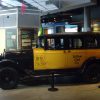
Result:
<point x="90" y="61"/>
<point x="8" y="63"/>
<point x="12" y="64"/>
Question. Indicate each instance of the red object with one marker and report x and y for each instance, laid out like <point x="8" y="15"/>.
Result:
<point x="23" y="8"/>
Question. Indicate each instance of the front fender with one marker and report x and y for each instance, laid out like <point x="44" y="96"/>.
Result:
<point x="7" y="62"/>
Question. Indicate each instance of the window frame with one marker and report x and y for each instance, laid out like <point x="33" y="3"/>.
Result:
<point x="53" y="37"/>
<point x="68" y="37"/>
<point x="94" y="37"/>
<point x="75" y="37"/>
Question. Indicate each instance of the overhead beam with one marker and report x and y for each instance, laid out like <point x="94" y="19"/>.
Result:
<point x="67" y="7"/>
<point x="40" y="4"/>
<point x="57" y="3"/>
<point x="28" y="4"/>
<point x="3" y="6"/>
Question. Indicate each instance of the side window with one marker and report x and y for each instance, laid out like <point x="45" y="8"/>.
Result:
<point x="40" y="43"/>
<point x="62" y="43"/>
<point x="91" y="42"/>
<point x="98" y="42"/>
<point x="55" y="43"/>
<point x="59" y="43"/>
<point x="75" y="43"/>
<point x="50" y="43"/>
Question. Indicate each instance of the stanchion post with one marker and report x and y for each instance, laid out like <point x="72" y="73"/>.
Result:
<point x="52" y="83"/>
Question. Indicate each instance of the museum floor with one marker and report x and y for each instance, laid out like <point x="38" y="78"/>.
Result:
<point x="66" y="91"/>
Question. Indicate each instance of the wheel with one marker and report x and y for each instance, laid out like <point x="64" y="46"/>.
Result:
<point x="91" y="74"/>
<point x="8" y="78"/>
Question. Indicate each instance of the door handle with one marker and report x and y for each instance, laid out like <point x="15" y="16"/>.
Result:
<point x="64" y="51"/>
<point x="69" y="51"/>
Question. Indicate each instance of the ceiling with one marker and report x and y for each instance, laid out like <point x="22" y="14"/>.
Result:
<point x="46" y="6"/>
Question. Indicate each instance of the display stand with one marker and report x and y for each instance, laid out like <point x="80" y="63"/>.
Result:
<point x="52" y="84"/>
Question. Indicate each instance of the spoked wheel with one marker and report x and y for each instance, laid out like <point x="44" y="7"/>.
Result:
<point x="92" y="74"/>
<point x="8" y="78"/>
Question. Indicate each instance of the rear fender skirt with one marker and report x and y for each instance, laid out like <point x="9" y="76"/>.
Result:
<point x="90" y="61"/>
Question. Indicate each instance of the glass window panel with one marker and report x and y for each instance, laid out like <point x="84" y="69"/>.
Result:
<point x="11" y="39"/>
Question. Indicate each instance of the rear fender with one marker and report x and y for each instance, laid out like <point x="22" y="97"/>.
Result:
<point x="89" y="62"/>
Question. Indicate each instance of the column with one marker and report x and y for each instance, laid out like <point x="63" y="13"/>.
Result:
<point x="87" y="19"/>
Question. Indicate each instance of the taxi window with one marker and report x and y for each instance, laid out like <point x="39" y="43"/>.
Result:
<point x="62" y="43"/>
<point x="76" y="43"/>
<point x="51" y="43"/>
<point x="98" y="41"/>
<point x="91" y="42"/>
<point x="40" y="42"/>
<point x="55" y="43"/>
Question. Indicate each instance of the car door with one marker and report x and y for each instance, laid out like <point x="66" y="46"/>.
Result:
<point x="75" y="55"/>
<point x="53" y="57"/>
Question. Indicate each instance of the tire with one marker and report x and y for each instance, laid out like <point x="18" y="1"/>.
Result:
<point x="8" y="78"/>
<point x="91" y="75"/>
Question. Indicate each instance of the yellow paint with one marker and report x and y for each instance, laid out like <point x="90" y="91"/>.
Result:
<point x="75" y="58"/>
<point x="62" y="59"/>
<point x="48" y="59"/>
<point x="93" y="53"/>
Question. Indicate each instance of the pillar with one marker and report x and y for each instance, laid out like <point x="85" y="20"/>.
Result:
<point x="87" y="19"/>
